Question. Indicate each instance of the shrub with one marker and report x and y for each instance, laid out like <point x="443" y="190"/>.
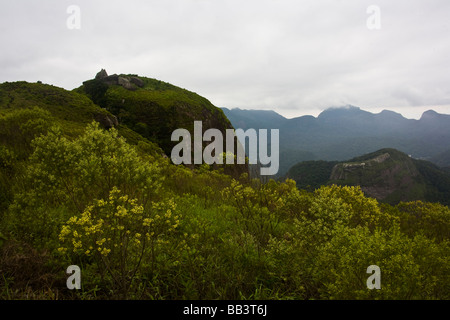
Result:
<point x="119" y="235"/>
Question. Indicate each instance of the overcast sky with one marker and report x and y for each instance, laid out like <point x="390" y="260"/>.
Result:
<point x="294" y="57"/>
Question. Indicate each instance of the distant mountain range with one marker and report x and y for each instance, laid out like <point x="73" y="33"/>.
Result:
<point x="342" y="133"/>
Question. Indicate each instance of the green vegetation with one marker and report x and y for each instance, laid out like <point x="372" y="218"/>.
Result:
<point x="442" y="159"/>
<point x="71" y="109"/>
<point x="311" y="174"/>
<point x="437" y="182"/>
<point x="22" y="102"/>
<point x="387" y="174"/>
<point x="156" y="109"/>
<point x="139" y="227"/>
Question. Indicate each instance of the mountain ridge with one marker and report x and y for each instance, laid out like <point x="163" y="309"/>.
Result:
<point x="337" y="134"/>
<point x="387" y="174"/>
<point x="426" y="113"/>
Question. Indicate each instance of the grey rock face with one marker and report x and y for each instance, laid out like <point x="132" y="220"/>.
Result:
<point x="124" y="82"/>
<point x="107" y="121"/>
<point x="137" y="81"/>
<point x="102" y="74"/>
<point x="128" y="83"/>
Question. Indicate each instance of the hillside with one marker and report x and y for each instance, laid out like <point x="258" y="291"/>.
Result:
<point x="144" y="111"/>
<point x="28" y="110"/>
<point x="442" y="159"/>
<point x="338" y="134"/>
<point x="311" y="175"/>
<point x="387" y="175"/>
<point x="48" y="105"/>
<point x="151" y="107"/>
<point x="80" y="188"/>
<point x="256" y="119"/>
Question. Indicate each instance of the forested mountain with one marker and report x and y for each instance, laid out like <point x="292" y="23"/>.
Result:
<point x="442" y="159"/>
<point x="86" y="181"/>
<point x="151" y="107"/>
<point x="387" y="175"/>
<point x="342" y="133"/>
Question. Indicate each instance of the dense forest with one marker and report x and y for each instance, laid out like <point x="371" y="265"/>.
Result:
<point x="388" y="175"/>
<point x="108" y="200"/>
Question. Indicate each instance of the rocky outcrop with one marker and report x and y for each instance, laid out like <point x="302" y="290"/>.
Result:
<point x="102" y="74"/>
<point x="389" y="176"/>
<point x="125" y="82"/>
<point x="107" y="121"/>
<point x="138" y="82"/>
<point x="129" y="83"/>
<point x="381" y="158"/>
<point x="342" y="171"/>
<point x="111" y="80"/>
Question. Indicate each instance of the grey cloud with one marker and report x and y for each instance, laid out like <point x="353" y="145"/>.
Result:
<point x="297" y="57"/>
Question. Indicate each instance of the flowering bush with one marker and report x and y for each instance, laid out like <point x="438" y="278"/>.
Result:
<point x="118" y="234"/>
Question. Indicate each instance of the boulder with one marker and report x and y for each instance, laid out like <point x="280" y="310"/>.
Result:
<point x="111" y="80"/>
<point x="137" y="81"/>
<point x="102" y="74"/>
<point x="106" y="121"/>
<point x="124" y="82"/>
